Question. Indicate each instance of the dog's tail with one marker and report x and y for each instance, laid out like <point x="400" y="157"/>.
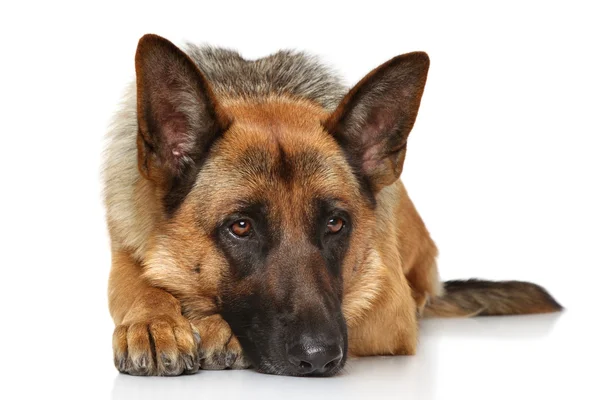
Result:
<point x="473" y="297"/>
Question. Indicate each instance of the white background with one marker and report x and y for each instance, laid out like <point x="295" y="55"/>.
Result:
<point x="502" y="164"/>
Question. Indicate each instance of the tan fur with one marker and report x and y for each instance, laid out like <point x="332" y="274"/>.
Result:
<point x="220" y="348"/>
<point x="140" y="310"/>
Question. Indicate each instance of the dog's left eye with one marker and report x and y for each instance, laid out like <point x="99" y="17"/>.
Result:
<point x="335" y="225"/>
<point x="241" y="228"/>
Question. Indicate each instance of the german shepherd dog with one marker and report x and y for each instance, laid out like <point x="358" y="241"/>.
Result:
<point x="257" y="217"/>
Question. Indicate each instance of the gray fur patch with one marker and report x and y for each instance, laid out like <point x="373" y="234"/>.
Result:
<point x="286" y="72"/>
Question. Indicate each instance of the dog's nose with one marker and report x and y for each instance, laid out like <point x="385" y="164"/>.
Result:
<point x="310" y="357"/>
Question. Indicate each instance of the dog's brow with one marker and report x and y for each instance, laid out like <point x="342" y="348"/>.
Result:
<point x="334" y="203"/>
<point x="262" y="161"/>
<point x="310" y="161"/>
<point x="256" y="160"/>
<point x="251" y="206"/>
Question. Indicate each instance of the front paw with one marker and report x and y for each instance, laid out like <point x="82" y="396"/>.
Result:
<point x="161" y="345"/>
<point x="219" y="349"/>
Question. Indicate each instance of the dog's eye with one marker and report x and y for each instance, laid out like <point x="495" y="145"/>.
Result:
<point x="335" y="225"/>
<point x="241" y="228"/>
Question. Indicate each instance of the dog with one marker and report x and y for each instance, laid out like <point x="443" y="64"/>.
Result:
<point x="257" y="217"/>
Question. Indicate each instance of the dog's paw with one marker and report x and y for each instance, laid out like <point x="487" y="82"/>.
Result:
<point x="162" y="345"/>
<point x="219" y="349"/>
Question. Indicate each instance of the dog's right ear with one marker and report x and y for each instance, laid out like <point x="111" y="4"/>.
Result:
<point x="178" y="116"/>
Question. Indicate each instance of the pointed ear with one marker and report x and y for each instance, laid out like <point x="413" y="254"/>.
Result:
<point x="373" y="121"/>
<point x="178" y="116"/>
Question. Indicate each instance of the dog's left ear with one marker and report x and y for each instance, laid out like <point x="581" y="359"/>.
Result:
<point x="373" y="121"/>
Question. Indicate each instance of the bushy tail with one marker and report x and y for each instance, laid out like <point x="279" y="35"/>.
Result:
<point x="476" y="297"/>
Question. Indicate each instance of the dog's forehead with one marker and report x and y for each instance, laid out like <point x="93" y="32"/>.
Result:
<point x="277" y="152"/>
<point x="275" y="113"/>
<point x="280" y="138"/>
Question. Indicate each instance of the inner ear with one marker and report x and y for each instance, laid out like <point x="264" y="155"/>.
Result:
<point x="373" y="121"/>
<point x="178" y="115"/>
<point x="179" y="118"/>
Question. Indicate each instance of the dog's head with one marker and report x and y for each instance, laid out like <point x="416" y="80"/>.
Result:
<point x="268" y="204"/>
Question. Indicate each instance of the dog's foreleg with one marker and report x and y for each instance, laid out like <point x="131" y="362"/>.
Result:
<point x="151" y="335"/>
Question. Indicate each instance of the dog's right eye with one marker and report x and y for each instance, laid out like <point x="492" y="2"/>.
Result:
<point x="335" y="225"/>
<point x="241" y="228"/>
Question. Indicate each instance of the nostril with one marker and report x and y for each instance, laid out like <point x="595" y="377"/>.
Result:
<point x="331" y="364"/>
<point x="334" y="362"/>
<point x="306" y="366"/>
